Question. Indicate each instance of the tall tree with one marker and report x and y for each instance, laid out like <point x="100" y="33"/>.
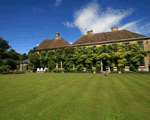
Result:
<point x="4" y="44"/>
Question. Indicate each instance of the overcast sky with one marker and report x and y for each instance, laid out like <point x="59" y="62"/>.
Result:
<point x="25" y="23"/>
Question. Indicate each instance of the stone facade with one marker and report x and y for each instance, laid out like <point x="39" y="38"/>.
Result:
<point x="132" y="38"/>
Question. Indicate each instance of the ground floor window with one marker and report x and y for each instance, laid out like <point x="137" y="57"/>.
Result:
<point x="94" y="63"/>
<point x="127" y="64"/>
<point x="142" y="63"/>
<point x="59" y="65"/>
<point x="62" y="65"/>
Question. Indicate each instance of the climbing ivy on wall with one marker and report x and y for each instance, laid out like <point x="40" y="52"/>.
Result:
<point x="86" y="60"/>
<point x="79" y="58"/>
<point x="43" y="60"/>
<point x="89" y="58"/>
<point x="135" y="56"/>
<point x="68" y="58"/>
<point x="110" y="60"/>
<point x="51" y="59"/>
<point x="120" y="56"/>
<point x="58" y="55"/>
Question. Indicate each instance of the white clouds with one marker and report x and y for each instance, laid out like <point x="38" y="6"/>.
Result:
<point x="58" y="2"/>
<point x="131" y="26"/>
<point x="70" y="25"/>
<point x="70" y="42"/>
<point x="93" y="17"/>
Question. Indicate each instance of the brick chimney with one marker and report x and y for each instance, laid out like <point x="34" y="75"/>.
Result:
<point x="90" y="32"/>
<point x="57" y="35"/>
<point x="114" y="29"/>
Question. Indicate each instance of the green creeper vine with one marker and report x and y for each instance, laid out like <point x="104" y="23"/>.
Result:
<point x="134" y="56"/>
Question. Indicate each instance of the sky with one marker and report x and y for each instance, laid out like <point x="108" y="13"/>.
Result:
<point x="26" y="23"/>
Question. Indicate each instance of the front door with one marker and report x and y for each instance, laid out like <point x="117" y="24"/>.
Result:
<point x="104" y="65"/>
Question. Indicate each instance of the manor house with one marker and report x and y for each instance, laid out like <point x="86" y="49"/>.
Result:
<point x="114" y="37"/>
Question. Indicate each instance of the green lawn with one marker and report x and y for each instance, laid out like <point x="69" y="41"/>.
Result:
<point x="74" y="97"/>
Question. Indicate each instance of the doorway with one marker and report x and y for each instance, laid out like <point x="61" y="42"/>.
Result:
<point x="104" y="65"/>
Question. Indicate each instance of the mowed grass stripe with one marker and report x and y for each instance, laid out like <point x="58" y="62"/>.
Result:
<point x="35" y="89"/>
<point x="137" y="86"/>
<point x="140" y="102"/>
<point x="37" y="99"/>
<point x="104" y="100"/>
<point x="127" y="102"/>
<point x="66" y="108"/>
<point x="42" y="101"/>
<point x="141" y="81"/>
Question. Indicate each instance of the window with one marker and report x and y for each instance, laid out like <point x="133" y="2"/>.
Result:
<point x="62" y="65"/>
<point x="115" y="62"/>
<point x="94" y="49"/>
<point x="94" y="63"/>
<point x="59" y="65"/>
<point x="104" y="48"/>
<point x="46" y="53"/>
<point x="54" y="52"/>
<point x="62" y="52"/>
<point x="127" y="46"/>
<point x="83" y="50"/>
<point x="74" y="65"/>
<point x="115" y="48"/>
<point x="127" y="64"/>
<point x="142" y="63"/>
<point x="74" y="50"/>
<point x="140" y="45"/>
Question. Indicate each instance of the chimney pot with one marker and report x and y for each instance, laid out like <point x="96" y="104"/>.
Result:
<point x="90" y="32"/>
<point x="57" y="34"/>
<point x="114" y="29"/>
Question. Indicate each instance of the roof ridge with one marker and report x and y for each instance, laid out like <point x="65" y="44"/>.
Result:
<point x="105" y="32"/>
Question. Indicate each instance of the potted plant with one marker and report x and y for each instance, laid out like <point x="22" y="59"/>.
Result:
<point x="63" y="70"/>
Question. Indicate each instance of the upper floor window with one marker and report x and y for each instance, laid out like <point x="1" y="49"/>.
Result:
<point x="127" y="46"/>
<point x="54" y="52"/>
<point x="74" y="65"/>
<point x="63" y="52"/>
<point x="115" y="48"/>
<point x="140" y="45"/>
<point x="94" y="49"/>
<point x="46" y="53"/>
<point x="74" y="50"/>
<point x="83" y="50"/>
<point x="104" y="48"/>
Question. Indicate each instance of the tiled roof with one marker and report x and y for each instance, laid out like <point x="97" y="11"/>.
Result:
<point x="108" y="36"/>
<point x="52" y="43"/>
